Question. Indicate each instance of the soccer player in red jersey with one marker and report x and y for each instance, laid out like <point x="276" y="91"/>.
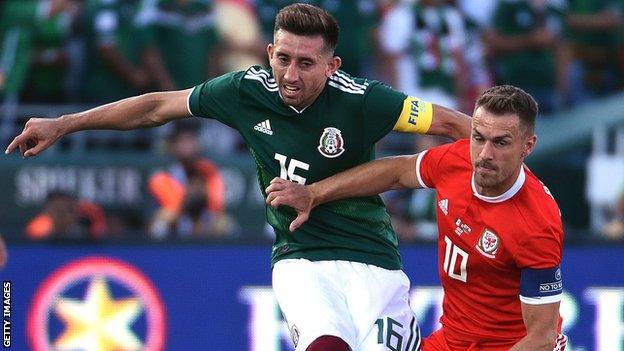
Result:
<point x="500" y="230"/>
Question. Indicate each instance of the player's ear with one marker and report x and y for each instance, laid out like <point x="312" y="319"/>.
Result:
<point x="270" y="49"/>
<point x="529" y="145"/>
<point x="332" y="66"/>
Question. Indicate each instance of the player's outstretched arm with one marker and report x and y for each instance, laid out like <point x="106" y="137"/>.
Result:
<point x="449" y="123"/>
<point x="148" y="110"/>
<point x="541" y="325"/>
<point x="368" y="179"/>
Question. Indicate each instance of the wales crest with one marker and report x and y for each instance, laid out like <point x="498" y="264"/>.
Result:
<point x="488" y="243"/>
<point x="331" y="143"/>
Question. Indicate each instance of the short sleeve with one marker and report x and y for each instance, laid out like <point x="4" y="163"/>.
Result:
<point x="429" y="164"/>
<point x="381" y="109"/>
<point x="540" y="250"/>
<point x="215" y="98"/>
<point x="539" y="258"/>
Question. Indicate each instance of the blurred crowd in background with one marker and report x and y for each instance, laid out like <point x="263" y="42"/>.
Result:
<point x="565" y="53"/>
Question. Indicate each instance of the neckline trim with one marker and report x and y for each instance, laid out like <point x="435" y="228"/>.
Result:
<point x="517" y="185"/>
<point x="292" y="107"/>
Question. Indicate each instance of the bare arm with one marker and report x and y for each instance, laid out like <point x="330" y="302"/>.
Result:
<point x="541" y="325"/>
<point x="146" y="110"/>
<point x="368" y="179"/>
<point x="450" y="123"/>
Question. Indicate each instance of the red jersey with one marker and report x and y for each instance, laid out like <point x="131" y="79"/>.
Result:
<point x="494" y="252"/>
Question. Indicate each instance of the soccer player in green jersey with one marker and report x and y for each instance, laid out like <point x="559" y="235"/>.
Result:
<point x="337" y="278"/>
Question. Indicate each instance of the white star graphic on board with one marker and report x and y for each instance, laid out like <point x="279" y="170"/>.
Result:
<point x="98" y="323"/>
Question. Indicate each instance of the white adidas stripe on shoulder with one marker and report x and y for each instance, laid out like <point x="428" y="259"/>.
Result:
<point x="263" y="77"/>
<point x="268" y="84"/>
<point x="262" y="72"/>
<point x="351" y="81"/>
<point x="261" y="80"/>
<point x="346" y="85"/>
<point x="338" y="86"/>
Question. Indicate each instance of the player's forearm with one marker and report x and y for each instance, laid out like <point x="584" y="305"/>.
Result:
<point x="449" y="123"/>
<point x="135" y="112"/>
<point x="368" y="179"/>
<point x="541" y="325"/>
<point x="535" y="343"/>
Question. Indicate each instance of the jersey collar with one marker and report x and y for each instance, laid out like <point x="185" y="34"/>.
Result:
<point x="504" y="196"/>
<point x="291" y="107"/>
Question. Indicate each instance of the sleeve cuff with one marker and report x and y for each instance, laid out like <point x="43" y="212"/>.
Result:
<point x="540" y="300"/>
<point x="418" y="176"/>
<point x="188" y="103"/>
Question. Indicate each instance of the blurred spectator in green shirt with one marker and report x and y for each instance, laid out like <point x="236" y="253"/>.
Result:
<point x="54" y="60"/>
<point x="19" y="20"/>
<point x="595" y="38"/>
<point x="117" y="55"/>
<point x="186" y="36"/>
<point x="527" y="50"/>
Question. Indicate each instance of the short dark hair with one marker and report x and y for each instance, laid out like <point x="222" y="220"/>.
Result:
<point x="308" y="20"/>
<point x="507" y="99"/>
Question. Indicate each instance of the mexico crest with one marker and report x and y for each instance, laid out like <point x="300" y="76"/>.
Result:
<point x="488" y="243"/>
<point x="331" y="143"/>
<point x="294" y="334"/>
<point x="97" y="303"/>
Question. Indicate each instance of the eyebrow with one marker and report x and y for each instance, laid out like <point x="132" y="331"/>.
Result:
<point x="497" y="137"/>
<point x="298" y="58"/>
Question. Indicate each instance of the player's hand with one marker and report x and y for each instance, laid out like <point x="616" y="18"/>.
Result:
<point x="38" y="135"/>
<point x="299" y="197"/>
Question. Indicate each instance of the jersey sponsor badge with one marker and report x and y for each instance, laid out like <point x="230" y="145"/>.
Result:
<point x="331" y="143"/>
<point x="488" y="243"/>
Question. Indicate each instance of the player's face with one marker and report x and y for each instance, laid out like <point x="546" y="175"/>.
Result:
<point x="497" y="150"/>
<point x="301" y="66"/>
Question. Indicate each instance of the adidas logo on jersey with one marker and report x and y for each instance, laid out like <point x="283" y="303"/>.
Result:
<point x="443" y="204"/>
<point x="264" y="127"/>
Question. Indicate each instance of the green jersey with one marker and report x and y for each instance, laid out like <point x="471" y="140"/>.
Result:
<point x="185" y="34"/>
<point x="533" y="67"/>
<point x="16" y="21"/>
<point x="112" y="24"/>
<point x="438" y="35"/>
<point x="337" y="132"/>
